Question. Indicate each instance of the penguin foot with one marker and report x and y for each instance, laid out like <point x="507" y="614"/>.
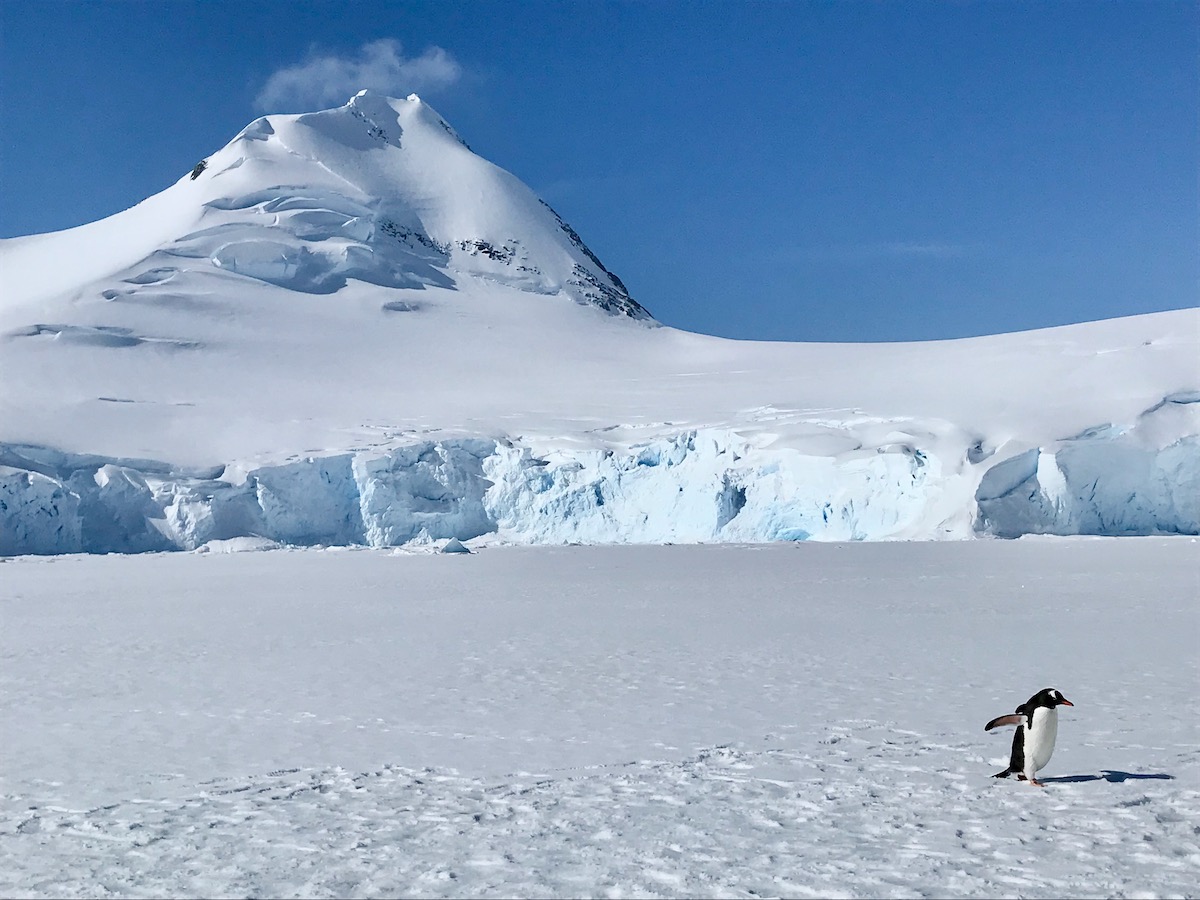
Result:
<point x="1036" y="783"/>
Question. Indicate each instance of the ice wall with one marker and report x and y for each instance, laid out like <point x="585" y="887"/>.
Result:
<point x="38" y="514"/>
<point x="1143" y="479"/>
<point x="697" y="486"/>
<point x="704" y="485"/>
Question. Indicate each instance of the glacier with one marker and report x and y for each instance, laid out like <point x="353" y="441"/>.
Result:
<point x="702" y="485"/>
<point x="345" y="328"/>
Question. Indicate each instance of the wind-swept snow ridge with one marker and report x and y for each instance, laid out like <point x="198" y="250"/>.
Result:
<point x="345" y="327"/>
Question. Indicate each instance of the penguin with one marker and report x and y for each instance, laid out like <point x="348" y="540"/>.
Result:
<point x="1037" y="727"/>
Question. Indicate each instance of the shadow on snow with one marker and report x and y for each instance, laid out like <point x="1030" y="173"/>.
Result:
<point x="1111" y="775"/>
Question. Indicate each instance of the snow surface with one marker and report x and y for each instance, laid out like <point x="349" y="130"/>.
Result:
<point x="775" y="720"/>
<point x="347" y="328"/>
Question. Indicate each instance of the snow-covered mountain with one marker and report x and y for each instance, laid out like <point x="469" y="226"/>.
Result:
<point x="346" y="327"/>
<point x="381" y="191"/>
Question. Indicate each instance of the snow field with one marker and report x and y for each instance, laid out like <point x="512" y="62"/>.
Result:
<point x="725" y="822"/>
<point x="785" y="720"/>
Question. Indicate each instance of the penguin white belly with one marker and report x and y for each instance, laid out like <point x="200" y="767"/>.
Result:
<point x="1039" y="739"/>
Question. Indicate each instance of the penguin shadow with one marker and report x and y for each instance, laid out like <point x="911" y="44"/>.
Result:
<point x="1111" y="775"/>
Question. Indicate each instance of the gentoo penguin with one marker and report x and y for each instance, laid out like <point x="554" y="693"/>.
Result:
<point x="1037" y="727"/>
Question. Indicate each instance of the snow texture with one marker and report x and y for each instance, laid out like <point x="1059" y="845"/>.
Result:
<point x="346" y="328"/>
<point x="784" y="720"/>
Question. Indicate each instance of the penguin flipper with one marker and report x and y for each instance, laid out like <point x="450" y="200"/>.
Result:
<point x="1010" y="719"/>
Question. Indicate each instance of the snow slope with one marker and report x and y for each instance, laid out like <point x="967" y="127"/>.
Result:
<point x="777" y="720"/>
<point x="346" y="327"/>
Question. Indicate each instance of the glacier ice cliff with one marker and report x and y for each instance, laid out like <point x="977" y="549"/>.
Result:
<point x="1144" y="479"/>
<point x="700" y="485"/>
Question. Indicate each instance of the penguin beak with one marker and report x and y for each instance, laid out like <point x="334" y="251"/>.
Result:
<point x="1065" y="702"/>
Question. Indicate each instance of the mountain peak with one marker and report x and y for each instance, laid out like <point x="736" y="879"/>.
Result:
<point x="387" y="112"/>
<point x="367" y="95"/>
<point x="381" y="191"/>
<point x="372" y="103"/>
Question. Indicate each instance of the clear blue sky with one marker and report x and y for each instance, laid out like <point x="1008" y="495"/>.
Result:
<point x="770" y="170"/>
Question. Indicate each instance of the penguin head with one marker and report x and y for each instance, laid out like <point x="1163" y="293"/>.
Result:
<point x="1050" y="697"/>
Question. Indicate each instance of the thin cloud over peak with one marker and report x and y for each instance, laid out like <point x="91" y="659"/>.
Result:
<point x="328" y="79"/>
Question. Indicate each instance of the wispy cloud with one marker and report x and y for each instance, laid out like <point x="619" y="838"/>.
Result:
<point x="928" y="249"/>
<point x="328" y="79"/>
<point x="875" y="251"/>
